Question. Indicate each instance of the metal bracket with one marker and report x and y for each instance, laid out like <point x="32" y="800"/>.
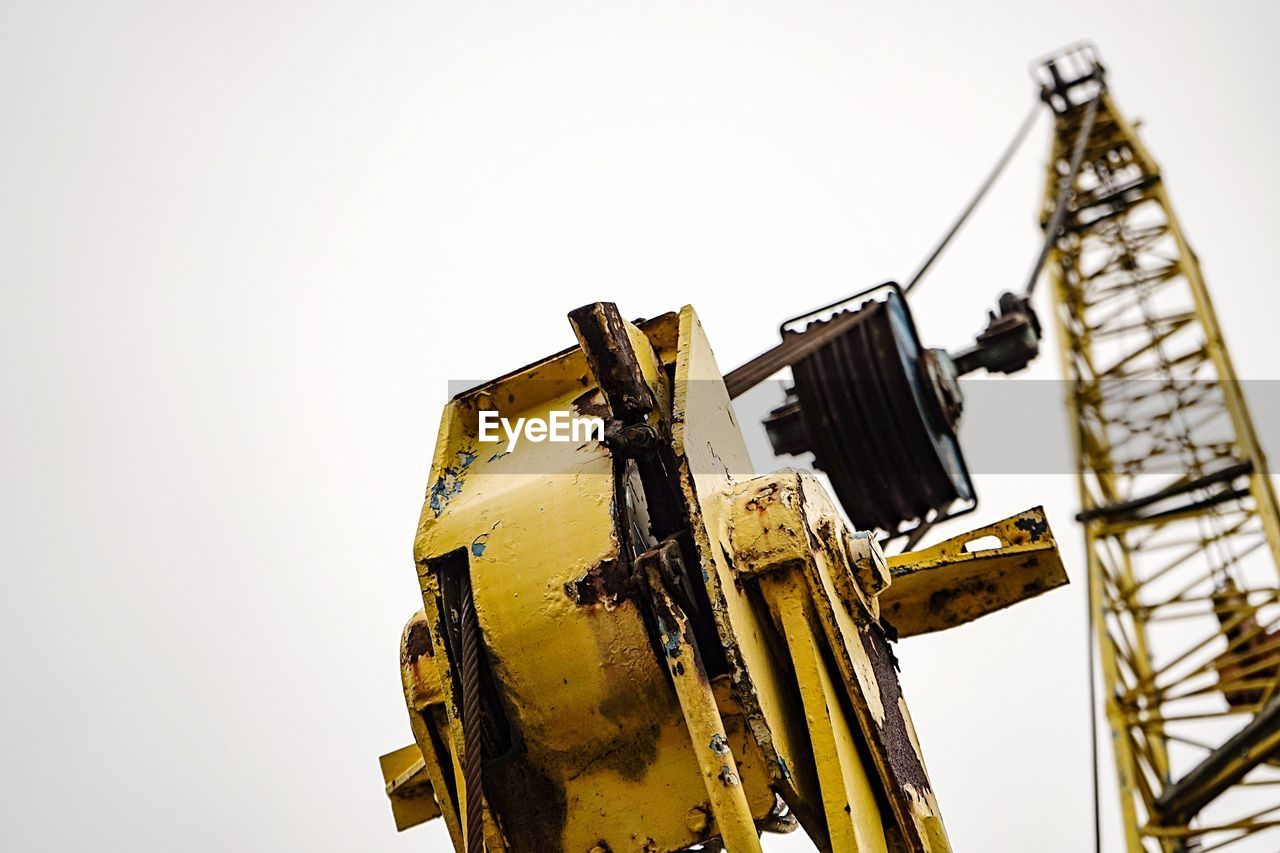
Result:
<point x="956" y="581"/>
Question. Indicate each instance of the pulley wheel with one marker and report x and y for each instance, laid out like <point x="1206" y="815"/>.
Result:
<point x="874" y="423"/>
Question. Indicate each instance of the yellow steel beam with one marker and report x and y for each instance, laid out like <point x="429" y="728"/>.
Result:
<point x="853" y="819"/>
<point x="717" y="766"/>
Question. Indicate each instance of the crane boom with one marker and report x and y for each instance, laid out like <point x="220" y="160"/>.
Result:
<point x="1179" y="511"/>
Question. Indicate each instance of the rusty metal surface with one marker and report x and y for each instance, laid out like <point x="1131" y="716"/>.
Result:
<point x="424" y="698"/>
<point x="600" y="753"/>
<point x="949" y="584"/>
<point x="784" y="525"/>
<point x="713" y="454"/>
<point x="605" y="340"/>
<point x="721" y="777"/>
<point x="657" y="631"/>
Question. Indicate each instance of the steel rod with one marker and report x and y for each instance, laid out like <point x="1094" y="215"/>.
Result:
<point x="1065" y="183"/>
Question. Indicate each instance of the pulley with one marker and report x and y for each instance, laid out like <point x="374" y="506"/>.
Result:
<point x="878" y="410"/>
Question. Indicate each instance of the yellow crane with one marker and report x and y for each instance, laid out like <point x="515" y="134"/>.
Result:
<point x="1179" y="511"/>
<point x="631" y="641"/>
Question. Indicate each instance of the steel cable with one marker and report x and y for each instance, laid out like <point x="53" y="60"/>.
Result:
<point x="791" y="350"/>
<point x="1066" y="188"/>
<point x="472" y="729"/>
<point x="996" y="171"/>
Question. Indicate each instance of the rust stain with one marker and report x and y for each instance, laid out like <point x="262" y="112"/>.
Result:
<point x="417" y="642"/>
<point x="1035" y="528"/>
<point x="607" y="582"/>
<point x="591" y="403"/>
<point x="532" y="804"/>
<point x="630" y="757"/>
<point x="902" y="761"/>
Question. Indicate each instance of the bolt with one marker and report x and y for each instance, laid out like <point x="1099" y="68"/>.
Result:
<point x="632" y="440"/>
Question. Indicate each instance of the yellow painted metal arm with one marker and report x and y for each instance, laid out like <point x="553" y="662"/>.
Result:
<point x="413" y="800"/>
<point x="973" y="574"/>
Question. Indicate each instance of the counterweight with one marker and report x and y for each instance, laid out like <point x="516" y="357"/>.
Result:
<point x="1178" y="507"/>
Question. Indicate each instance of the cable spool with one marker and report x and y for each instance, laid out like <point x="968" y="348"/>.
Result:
<point x="878" y="411"/>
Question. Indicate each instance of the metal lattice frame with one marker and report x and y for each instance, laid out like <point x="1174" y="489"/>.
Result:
<point x="1180" y="515"/>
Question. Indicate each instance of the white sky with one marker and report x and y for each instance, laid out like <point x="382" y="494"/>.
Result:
<point x="243" y="247"/>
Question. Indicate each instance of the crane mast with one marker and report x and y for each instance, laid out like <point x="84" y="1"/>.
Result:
<point x="1179" y="512"/>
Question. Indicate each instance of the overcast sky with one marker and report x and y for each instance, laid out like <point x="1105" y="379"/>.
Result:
<point x="244" y="246"/>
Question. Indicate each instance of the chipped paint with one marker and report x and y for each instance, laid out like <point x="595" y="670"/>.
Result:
<point x="604" y="757"/>
<point x="671" y="639"/>
<point x="946" y="585"/>
<point x="628" y="738"/>
<point x="608" y="583"/>
<point x="1035" y="527"/>
<point x="446" y="487"/>
<point x="481" y="542"/>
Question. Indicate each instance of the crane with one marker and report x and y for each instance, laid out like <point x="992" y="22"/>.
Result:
<point x="636" y="642"/>
<point x="1178" y="508"/>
